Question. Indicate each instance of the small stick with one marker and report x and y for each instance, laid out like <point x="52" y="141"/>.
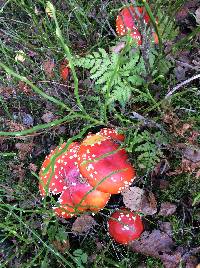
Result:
<point x="181" y="85"/>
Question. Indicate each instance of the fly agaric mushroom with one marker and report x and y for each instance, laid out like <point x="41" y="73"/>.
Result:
<point x="104" y="164"/>
<point x="125" y="226"/>
<point x="126" y="22"/>
<point x="76" y="195"/>
<point x="112" y="133"/>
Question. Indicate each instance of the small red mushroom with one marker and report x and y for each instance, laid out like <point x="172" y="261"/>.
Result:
<point x="104" y="164"/>
<point x="126" y="21"/>
<point x="76" y="194"/>
<point x="125" y="226"/>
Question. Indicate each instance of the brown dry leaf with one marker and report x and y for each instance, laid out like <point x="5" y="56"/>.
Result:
<point x="6" y="92"/>
<point x="61" y="246"/>
<point x="189" y="166"/>
<point x="132" y="198"/>
<point x="175" y="124"/>
<point x="48" y="117"/>
<point x="83" y="224"/>
<point x="153" y="244"/>
<point x="167" y="209"/>
<point x="136" y="199"/>
<point x="192" y="262"/>
<point x="192" y="154"/>
<point x="197" y="15"/>
<point x="149" y="204"/>
<point x="182" y="14"/>
<point x="24" y="149"/>
<point x="172" y="260"/>
<point x="18" y="171"/>
<point x="24" y="88"/>
<point x="166" y="227"/>
<point x="159" y="244"/>
<point x="48" y="67"/>
<point x="182" y="129"/>
<point x="13" y="126"/>
<point x="33" y="167"/>
<point x="193" y="137"/>
<point x="164" y="184"/>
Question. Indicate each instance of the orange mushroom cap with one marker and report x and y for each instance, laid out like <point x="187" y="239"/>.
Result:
<point x="105" y="165"/>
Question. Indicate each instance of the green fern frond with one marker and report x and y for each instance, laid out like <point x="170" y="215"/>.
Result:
<point x="147" y="148"/>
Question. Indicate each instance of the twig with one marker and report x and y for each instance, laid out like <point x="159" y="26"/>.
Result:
<point x="181" y="85"/>
<point x="147" y="122"/>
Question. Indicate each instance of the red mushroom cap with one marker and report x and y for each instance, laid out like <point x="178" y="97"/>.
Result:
<point x="126" y="22"/>
<point x="76" y="195"/>
<point x="125" y="226"/>
<point x="104" y="165"/>
<point x="112" y="133"/>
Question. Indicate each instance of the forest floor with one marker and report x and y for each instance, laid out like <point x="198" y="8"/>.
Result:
<point x="66" y="74"/>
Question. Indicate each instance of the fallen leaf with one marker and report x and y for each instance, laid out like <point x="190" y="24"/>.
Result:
<point x="24" y="149"/>
<point x="175" y="124"/>
<point x="163" y="184"/>
<point x="64" y="70"/>
<point x="132" y="198"/>
<point x="167" y="209"/>
<point x="193" y="139"/>
<point x="192" y="262"/>
<point x="149" y="204"/>
<point x="6" y="92"/>
<point x="25" y="89"/>
<point x="192" y="154"/>
<point x="136" y="199"/>
<point x="13" y="126"/>
<point x="153" y="244"/>
<point x="48" y="67"/>
<point x="61" y="246"/>
<point x="83" y="224"/>
<point x="197" y="15"/>
<point x="172" y="260"/>
<point x="33" y="167"/>
<point x="48" y="117"/>
<point x="166" y="227"/>
<point x="18" y="171"/>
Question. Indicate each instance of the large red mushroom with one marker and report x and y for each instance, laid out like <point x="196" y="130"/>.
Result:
<point x="105" y="164"/>
<point x="76" y="195"/>
<point x="112" y="133"/>
<point x="125" y="226"/>
<point x="127" y="19"/>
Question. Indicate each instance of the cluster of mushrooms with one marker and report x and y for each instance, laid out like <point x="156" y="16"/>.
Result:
<point x="86" y="174"/>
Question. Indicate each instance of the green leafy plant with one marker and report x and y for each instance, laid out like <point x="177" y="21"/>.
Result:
<point x="147" y="147"/>
<point x="81" y="257"/>
<point x="121" y="76"/>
